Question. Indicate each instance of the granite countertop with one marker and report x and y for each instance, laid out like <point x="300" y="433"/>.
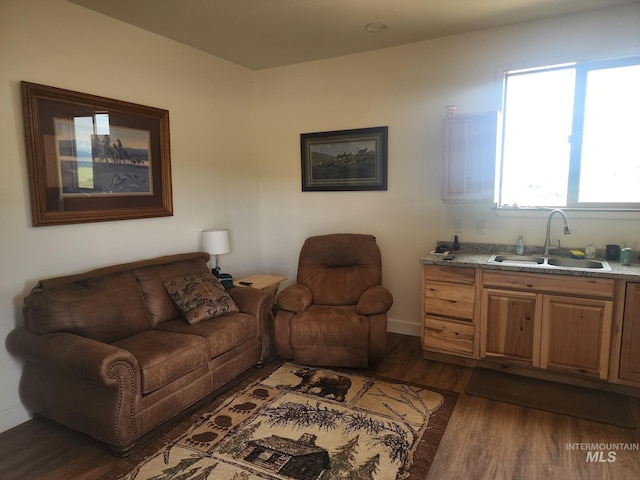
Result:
<point x="477" y="255"/>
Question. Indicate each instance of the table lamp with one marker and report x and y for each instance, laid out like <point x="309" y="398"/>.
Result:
<point x="216" y="242"/>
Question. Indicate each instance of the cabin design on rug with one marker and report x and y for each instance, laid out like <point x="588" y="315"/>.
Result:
<point x="301" y="459"/>
<point x="300" y="423"/>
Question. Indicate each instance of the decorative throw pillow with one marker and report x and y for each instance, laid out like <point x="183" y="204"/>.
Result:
<point x="200" y="296"/>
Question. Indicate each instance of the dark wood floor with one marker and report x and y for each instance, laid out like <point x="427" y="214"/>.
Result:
<point x="484" y="439"/>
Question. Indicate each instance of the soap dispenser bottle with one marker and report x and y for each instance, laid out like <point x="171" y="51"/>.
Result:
<point x="520" y="246"/>
<point x="456" y="244"/>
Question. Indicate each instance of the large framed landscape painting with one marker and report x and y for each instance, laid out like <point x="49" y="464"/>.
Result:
<point x="344" y="160"/>
<point x="93" y="159"/>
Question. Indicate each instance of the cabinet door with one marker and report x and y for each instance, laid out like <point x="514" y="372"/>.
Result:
<point x="576" y="334"/>
<point x="469" y="156"/>
<point x="630" y="350"/>
<point x="511" y="325"/>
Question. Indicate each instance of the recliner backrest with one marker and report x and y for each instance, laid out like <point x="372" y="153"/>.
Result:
<point x="339" y="267"/>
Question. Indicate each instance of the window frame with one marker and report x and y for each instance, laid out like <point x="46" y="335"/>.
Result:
<point x="582" y="70"/>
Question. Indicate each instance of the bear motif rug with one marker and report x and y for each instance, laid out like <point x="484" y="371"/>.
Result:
<point x="309" y="424"/>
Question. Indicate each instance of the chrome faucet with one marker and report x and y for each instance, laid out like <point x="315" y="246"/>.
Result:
<point x="566" y="230"/>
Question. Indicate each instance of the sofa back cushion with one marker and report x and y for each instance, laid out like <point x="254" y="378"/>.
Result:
<point x="160" y="306"/>
<point x="107" y="308"/>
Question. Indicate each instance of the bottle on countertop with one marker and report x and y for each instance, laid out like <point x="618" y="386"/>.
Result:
<point x="590" y="251"/>
<point x="456" y="244"/>
<point x="520" y="246"/>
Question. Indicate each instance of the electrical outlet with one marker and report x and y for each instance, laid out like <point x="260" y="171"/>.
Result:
<point x="482" y="227"/>
<point x="457" y="226"/>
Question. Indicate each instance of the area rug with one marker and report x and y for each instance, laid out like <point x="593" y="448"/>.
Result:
<point x="580" y="402"/>
<point x="309" y="423"/>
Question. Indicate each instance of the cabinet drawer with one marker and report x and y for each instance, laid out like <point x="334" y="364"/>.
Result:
<point x="448" y="336"/>
<point x="448" y="300"/>
<point x="548" y="283"/>
<point x="442" y="273"/>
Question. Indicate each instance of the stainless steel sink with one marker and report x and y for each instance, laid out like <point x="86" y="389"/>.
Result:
<point x="578" y="263"/>
<point x="548" y="262"/>
<point x="519" y="259"/>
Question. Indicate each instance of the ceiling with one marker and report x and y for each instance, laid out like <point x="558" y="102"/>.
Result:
<point x="269" y="33"/>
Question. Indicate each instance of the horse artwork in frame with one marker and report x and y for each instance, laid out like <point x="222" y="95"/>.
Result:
<point x="344" y="160"/>
<point x="94" y="159"/>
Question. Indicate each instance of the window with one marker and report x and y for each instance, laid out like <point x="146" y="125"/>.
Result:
<point x="78" y="143"/>
<point x="571" y="136"/>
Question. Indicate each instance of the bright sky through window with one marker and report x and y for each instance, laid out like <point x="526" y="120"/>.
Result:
<point x="610" y="167"/>
<point x="572" y="136"/>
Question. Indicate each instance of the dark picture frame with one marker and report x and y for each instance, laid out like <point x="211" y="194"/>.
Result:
<point x="344" y="160"/>
<point x="94" y="159"/>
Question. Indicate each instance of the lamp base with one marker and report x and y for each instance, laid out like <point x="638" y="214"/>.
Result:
<point x="224" y="278"/>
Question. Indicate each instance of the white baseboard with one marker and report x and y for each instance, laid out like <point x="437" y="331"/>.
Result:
<point x="12" y="417"/>
<point x="404" y="327"/>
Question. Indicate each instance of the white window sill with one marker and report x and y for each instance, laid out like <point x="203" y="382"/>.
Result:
<point x="592" y="214"/>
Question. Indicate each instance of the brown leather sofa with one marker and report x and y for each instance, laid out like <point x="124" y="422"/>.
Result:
<point x="336" y="313"/>
<point x="110" y="354"/>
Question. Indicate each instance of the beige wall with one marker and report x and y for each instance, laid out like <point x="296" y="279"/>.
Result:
<point x="235" y="147"/>
<point x="407" y="89"/>
<point x="212" y="116"/>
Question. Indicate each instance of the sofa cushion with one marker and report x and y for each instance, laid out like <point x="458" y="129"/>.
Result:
<point x="223" y="333"/>
<point x="106" y="308"/>
<point x="200" y="297"/>
<point x="165" y="356"/>
<point x="160" y="306"/>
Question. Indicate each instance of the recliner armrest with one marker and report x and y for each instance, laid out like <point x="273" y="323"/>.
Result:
<point x="295" y="298"/>
<point x="374" y="300"/>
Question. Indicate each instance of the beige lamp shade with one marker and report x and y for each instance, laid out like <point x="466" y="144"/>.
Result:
<point x="216" y="242"/>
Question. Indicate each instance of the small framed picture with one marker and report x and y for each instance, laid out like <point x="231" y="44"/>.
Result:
<point x="344" y="160"/>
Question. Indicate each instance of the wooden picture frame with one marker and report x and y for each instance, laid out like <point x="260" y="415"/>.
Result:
<point x="94" y="159"/>
<point x="344" y="160"/>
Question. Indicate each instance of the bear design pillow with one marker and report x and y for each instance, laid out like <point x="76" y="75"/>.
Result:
<point x="200" y="296"/>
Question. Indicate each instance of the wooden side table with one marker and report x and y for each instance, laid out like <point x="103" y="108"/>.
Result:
<point x="268" y="283"/>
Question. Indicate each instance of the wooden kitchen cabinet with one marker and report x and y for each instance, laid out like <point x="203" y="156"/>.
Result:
<point x="448" y="306"/>
<point x="553" y="322"/>
<point x="630" y="348"/>
<point x="469" y="157"/>
<point x="576" y="335"/>
<point x="511" y="325"/>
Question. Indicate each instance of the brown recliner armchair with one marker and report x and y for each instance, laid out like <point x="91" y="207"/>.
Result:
<point x="336" y="313"/>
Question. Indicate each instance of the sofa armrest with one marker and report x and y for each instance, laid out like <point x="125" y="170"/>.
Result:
<point x="85" y="384"/>
<point x="257" y="303"/>
<point x="374" y="300"/>
<point x="71" y="354"/>
<point x="295" y="298"/>
<point x="252" y="301"/>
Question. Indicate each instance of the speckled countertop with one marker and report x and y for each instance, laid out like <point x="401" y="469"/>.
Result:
<point x="476" y="255"/>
